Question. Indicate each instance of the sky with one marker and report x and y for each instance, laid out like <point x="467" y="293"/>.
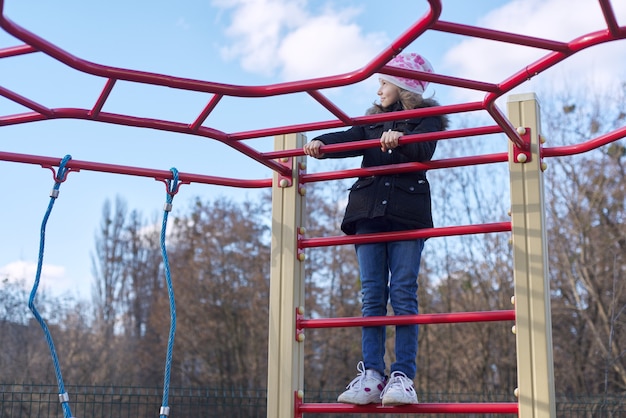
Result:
<point x="243" y="42"/>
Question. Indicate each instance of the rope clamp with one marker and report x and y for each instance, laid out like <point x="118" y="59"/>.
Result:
<point x="165" y="410"/>
<point x="64" y="397"/>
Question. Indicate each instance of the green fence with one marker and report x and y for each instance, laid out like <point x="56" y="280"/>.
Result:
<point x="42" y="401"/>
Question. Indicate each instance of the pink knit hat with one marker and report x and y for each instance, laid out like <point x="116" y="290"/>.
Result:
<point x="410" y="61"/>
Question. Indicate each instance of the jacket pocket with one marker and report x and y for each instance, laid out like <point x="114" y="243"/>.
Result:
<point x="411" y="200"/>
<point x="362" y="183"/>
<point x="360" y="196"/>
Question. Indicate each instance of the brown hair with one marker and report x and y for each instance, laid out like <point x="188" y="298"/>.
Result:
<point x="408" y="99"/>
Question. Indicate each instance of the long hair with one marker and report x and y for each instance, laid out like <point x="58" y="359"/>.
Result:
<point x="408" y="100"/>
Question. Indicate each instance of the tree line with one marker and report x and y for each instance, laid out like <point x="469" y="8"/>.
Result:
<point x="219" y="252"/>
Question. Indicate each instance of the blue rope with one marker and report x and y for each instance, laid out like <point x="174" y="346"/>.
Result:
<point x="59" y="178"/>
<point x="172" y="189"/>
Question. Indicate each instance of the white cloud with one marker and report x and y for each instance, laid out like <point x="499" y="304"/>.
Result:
<point x="559" y="20"/>
<point x="296" y="39"/>
<point x="52" y="276"/>
<point x="284" y="37"/>
<point x="325" y="45"/>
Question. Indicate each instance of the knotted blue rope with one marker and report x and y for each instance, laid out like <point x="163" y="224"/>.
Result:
<point x="59" y="178"/>
<point x="172" y="189"/>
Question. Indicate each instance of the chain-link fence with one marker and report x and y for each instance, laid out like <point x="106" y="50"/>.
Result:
<point x="42" y="401"/>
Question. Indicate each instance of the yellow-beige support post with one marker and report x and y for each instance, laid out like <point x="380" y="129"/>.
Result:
<point x="533" y="326"/>
<point x="285" y="354"/>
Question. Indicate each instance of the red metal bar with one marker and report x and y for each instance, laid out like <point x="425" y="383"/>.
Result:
<point x="206" y="112"/>
<point x="13" y="51"/>
<point x="496" y="35"/>
<point x="405" y="235"/>
<point x="535" y="68"/>
<point x="428" y="21"/>
<point x="423" y="408"/>
<point x="405" y="114"/>
<point x="24" y="102"/>
<point x="219" y="88"/>
<point x="367" y="143"/>
<point x="413" y="32"/>
<point x="442" y="79"/>
<point x="77" y="165"/>
<point x="610" y="19"/>
<point x="104" y="95"/>
<point x="436" y="318"/>
<point x="592" y="144"/>
<point x="324" y="101"/>
<point x="405" y="39"/>
<point x="408" y="139"/>
<point x="141" y="122"/>
<point x="503" y="121"/>
<point x="405" y="167"/>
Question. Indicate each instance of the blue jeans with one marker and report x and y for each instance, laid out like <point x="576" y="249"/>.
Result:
<point x="389" y="272"/>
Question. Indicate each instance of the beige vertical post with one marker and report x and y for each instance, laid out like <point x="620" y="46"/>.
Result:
<point x="533" y="325"/>
<point x="285" y="353"/>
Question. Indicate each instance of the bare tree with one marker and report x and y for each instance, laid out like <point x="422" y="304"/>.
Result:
<point x="220" y="269"/>
<point x="588" y="246"/>
<point x="110" y="283"/>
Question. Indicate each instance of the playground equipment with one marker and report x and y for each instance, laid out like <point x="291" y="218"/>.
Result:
<point x="287" y="321"/>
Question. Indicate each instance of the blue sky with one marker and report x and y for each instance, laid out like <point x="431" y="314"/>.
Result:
<point x="245" y="42"/>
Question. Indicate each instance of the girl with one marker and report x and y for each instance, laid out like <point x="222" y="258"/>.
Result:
<point x="387" y="203"/>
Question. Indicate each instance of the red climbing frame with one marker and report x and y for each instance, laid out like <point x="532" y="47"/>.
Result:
<point x="555" y="53"/>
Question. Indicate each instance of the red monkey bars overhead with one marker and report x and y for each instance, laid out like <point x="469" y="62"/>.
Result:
<point x="215" y="92"/>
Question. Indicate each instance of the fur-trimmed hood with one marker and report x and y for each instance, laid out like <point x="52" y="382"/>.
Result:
<point x="376" y="108"/>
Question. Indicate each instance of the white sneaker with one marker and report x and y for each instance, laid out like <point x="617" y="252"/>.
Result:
<point x="365" y="388"/>
<point x="399" y="390"/>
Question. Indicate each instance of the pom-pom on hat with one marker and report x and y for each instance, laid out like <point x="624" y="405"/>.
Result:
<point x="413" y="62"/>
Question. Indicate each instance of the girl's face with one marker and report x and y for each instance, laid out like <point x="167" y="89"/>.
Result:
<point x="388" y="93"/>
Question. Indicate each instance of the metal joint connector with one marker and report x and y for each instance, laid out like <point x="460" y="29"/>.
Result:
<point x="64" y="397"/>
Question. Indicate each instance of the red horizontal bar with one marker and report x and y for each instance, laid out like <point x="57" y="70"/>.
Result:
<point x="405" y="167"/>
<point x="361" y="120"/>
<point x="442" y="79"/>
<point x="405" y="235"/>
<point x="436" y="318"/>
<point x="589" y="145"/>
<point x="77" y="165"/>
<point x="127" y="120"/>
<point x="496" y="35"/>
<point x="424" y="408"/>
<point x="406" y="139"/>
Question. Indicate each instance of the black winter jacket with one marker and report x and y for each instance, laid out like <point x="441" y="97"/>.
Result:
<point x="401" y="197"/>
